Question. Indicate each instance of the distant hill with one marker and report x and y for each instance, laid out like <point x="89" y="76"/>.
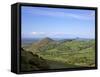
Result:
<point x="30" y="61"/>
<point x="47" y="39"/>
<point x="45" y="43"/>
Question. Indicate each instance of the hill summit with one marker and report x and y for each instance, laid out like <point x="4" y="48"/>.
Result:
<point x="42" y="44"/>
<point x="46" y="40"/>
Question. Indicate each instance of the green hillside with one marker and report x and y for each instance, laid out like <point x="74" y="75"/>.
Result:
<point x="65" y="54"/>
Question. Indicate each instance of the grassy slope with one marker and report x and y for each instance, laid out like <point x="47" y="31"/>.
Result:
<point x="66" y="54"/>
<point x="79" y="53"/>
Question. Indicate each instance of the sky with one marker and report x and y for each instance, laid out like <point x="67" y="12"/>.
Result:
<point x="40" y="22"/>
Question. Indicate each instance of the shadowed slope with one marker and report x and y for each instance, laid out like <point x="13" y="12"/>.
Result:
<point x="30" y="61"/>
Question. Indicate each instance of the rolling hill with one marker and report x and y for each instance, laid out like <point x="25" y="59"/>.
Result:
<point x="65" y="54"/>
<point x="42" y="45"/>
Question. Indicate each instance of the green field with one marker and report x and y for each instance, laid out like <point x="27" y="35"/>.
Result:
<point x="63" y="54"/>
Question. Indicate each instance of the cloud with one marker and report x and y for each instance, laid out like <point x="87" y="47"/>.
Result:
<point x="58" y="33"/>
<point x="52" y="35"/>
<point x="63" y="14"/>
<point x="34" y="33"/>
<point x="37" y="33"/>
<point x="48" y="33"/>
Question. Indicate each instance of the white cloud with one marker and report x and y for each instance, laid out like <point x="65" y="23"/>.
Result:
<point x="34" y="33"/>
<point x="58" y="13"/>
<point x="57" y="33"/>
<point x="48" y="33"/>
<point x="37" y="33"/>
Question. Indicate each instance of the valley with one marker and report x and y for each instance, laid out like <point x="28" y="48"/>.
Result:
<point x="58" y="54"/>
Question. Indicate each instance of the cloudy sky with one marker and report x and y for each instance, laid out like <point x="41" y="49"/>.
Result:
<point x="39" y="22"/>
